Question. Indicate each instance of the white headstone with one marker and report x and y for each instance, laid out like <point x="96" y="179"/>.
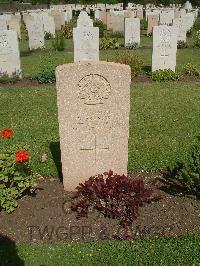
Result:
<point x="35" y="34"/>
<point x="86" y="40"/>
<point x="132" y="31"/>
<point x="164" y="47"/>
<point x="9" y="53"/>
<point x="179" y="23"/>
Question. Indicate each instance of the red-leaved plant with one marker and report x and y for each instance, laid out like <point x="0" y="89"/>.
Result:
<point x="114" y="195"/>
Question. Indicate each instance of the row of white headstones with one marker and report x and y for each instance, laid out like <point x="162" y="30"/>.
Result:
<point x="86" y="38"/>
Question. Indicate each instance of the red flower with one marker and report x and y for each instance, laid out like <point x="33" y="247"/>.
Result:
<point x="7" y="133"/>
<point x="22" y="156"/>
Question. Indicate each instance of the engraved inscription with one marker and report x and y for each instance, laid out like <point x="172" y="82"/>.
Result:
<point x="93" y="89"/>
<point x="165" y="42"/>
<point x="3" y="41"/>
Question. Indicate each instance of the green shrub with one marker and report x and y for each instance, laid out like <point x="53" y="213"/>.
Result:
<point x="132" y="46"/>
<point x="48" y="36"/>
<point x="16" y="176"/>
<point x="191" y="70"/>
<point x="46" y="74"/>
<point x="165" y="75"/>
<point x="181" y="45"/>
<point x="150" y="34"/>
<point x="197" y="39"/>
<point x="116" y="34"/>
<point x="106" y="43"/>
<point x="67" y="30"/>
<point x="130" y="59"/>
<point x="143" y="24"/>
<point x="59" y="42"/>
<point x="102" y="27"/>
<point x="5" y="78"/>
<point x="189" y="173"/>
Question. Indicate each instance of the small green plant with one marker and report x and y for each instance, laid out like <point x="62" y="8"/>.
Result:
<point x="59" y="42"/>
<point x="191" y="70"/>
<point x="130" y="59"/>
<point x="181" y="45"/>
<point x="48" y="36"/>
<point x="5" y="78"/>
<point x="150" y="34"/>
<point x="165" y="75"/>
<point x="107" y="43"/>
<point x="16" y="176"/>
<point x="132" y="46"/>
<point x="189" y="173"/>
<point x="67" y="30"/>
<point x="102" y="27"/>
<point x="197" y="39"/>
<point x="46" y="74"/>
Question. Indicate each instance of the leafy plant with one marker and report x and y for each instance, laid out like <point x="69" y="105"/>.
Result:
<point x="132" y="46"/>
<point x="191" y="70"/>
<point x="150" y="34"/>
<point x="189" y="173"/>
<point x="16" y="176"/>
<point x="67" y="30"/>
<point x="48" y="36"/>
<point x="102" y="27"/>
<point x="165" y="75"/>
<point x="106" y="43"/>
<point x="181" y="45"/>
<point x="116" y="34"/>
<point x="197" y="39"/>
<point x="115" y="196"/>
<point x="130" y="59"/>
<point x="46" y="74"/>
<point x="59" y="42"/>
<point x="5" y="78"/>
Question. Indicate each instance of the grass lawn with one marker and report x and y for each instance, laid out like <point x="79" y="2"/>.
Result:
<point x="164" y="123"/>
<point x="32" y="62"/>
<point x="183" y="251"/>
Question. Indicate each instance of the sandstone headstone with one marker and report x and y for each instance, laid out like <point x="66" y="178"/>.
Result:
<point x="152" y="21"/>
<point x="86" y="40"/>
<point x="164" y="47"/>
<point x="132" y="31"/>
<point x="59" y="19"/>
<point x="14" y="24"/>
<point x="9" y="53"/>
<point x="93" y="110"/>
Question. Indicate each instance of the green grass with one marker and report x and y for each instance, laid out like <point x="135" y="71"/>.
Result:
<point x="183" y="251"/>
<point x="164" y="123"/>
<point x="33" y="61"/>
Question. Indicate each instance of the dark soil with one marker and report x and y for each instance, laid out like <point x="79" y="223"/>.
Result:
<point x="25" y="82"/>
<point x="46" y="217"/>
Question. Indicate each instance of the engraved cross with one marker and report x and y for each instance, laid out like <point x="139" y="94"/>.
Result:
<point x="96" y="147"/>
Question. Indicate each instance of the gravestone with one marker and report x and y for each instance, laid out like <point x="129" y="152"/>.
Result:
<point x="152" y="21"/>
<point x="164" y="47"/>
<point x="166" y="17"/>
<point x="115" y="22"/>
<point x="59" y="19"/>
<point x="9" y="53"/>
<point x="35" y="34"/>
<point x="3" y="22"/>
<point x="132" y="31"/>
<point x="93" y="109"/>
<point x="86" y="39"/>
<point x="179" y="23"/>
<point x="14" y="24"/>
<point x="49" y="24"/>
